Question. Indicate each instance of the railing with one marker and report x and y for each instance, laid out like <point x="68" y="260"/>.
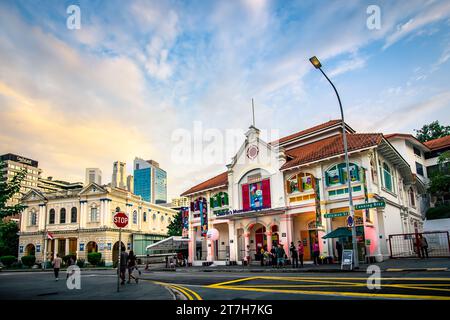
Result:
<point x="409" y="245"/>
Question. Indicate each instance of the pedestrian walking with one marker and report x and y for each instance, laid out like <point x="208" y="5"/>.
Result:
<point x="123" y="265"/>
<point x="273" y="255"/>
<point x="301" y="252"/>
<point x="131" y="266"/>
<point x="294" y="255"/>
<point x="339" y="250"/>
<point x="56" y="266"/>
<point x="280" y="255"/>
<point x="261" y="256"/>
<point x="70" y="262"/>
<point x="316" y="252"/>
<point x="423" y="246"/>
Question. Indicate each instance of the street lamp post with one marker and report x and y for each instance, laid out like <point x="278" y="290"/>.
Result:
<point x="316" y="63"/>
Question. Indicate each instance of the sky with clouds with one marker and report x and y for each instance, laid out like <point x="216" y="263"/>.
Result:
<point x="139" y="71"/>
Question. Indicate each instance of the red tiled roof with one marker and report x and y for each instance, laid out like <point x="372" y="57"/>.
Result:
<point x="438" y="143"/>
<point x="329" y="147"/>
<point x="219" y="180"/>
<point x="405" y="136"/>
<point x="310" y="130"/>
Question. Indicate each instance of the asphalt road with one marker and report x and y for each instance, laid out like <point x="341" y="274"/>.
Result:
<point x="285" y="286"/>
<point x="99" y="285"/>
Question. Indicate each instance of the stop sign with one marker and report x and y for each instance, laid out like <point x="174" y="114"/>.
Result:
<point x="120" y="220"/>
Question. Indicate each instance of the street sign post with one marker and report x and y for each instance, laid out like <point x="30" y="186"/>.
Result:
<point x="370" y="205"/>
<point x="121" y="221"/>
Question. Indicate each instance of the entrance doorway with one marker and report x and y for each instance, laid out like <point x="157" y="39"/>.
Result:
<point x="115" y="253"/>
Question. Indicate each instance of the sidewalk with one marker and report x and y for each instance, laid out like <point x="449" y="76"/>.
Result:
<point x="391" y="265"/>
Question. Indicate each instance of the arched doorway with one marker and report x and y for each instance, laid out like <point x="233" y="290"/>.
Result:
<point x="275" y="236"/>
<point x="258" y="240"/>
<point x="91" y="247"/>
<point x="30" y="250"/>
<point x="115" y="252"/>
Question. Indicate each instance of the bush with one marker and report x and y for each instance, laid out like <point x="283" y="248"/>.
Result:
<point x="94" y="258"/>
<point x="101" y="263"/>
<point x="8" y="260"/>
<point x="67" y="257"/>
<point x="28" y="260"/>
<point x="16" y="265"/>
<point x="440" y="212"/>
<point x="81" y="263"/>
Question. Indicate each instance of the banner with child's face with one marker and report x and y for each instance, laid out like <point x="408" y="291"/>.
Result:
<point x="256" y="195"/>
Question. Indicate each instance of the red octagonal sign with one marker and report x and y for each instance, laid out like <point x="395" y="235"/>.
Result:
<point x="120" y="220"/>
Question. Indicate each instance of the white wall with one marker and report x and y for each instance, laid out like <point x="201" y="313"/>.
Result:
<point x="436" y="225"/>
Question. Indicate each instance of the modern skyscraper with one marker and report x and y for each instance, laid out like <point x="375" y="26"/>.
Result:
<point x="119" y="175"/>
<point x="93" y="175"/>
<point x="150" y="181"/>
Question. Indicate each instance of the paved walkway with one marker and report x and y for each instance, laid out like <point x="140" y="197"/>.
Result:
<point x="391" y="265"/>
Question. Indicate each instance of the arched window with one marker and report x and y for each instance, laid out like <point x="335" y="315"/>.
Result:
<point x="162" y="218"/>
<point x="51" y="216"/>
<point x="134" y="217"/>
<point x="387" y="175"/>
<point x="154" y="217"/>
<point x="300" y="182"/>
<point x="62" y="215"/>
<point x="118" y="209"/>
<point x="412" y="197"/>
<point x="145" y="217"/>
<point x="337" y="174"/>
<point x="219" y="200"/>
<point x="73" y="215"/>
<point x="33" y="218"/>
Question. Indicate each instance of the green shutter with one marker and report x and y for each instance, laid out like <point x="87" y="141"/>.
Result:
<point x="226" y="198"/>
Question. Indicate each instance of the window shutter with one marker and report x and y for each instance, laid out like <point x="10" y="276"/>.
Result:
<point x="225" y="196"/>
<point x="266" y="193"/>
<point x="245" y="197"/>
<point x="313" y="182"/>
<point x="192" y="207"/>
<point x="341" y="175"/>
<point x="327" y="179"/>
<point x="288" y="186"/>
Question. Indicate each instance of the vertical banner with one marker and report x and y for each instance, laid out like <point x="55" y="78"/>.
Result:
<point x="203" y="216"/>
<point x="318" y="213"/>
<point x="256" y="195"/>
<point x="366" y="194"/>
<point x="185" y="222"/>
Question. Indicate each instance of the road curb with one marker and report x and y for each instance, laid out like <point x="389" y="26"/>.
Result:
<point x="363" y="270"/>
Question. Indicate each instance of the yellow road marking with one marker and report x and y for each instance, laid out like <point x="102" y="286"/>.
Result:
<point x="418" y="287"/>
<point x="232" y="281"/>
<point x="335" y="293"/>
<point x="349" y="278"/>
<point x="186" y="291"/>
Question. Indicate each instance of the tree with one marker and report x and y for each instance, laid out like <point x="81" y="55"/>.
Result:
<point x="432" y="131"/>
<point x="9" y="239"/>
<point x="7" y="190"/>
<point x="176" y="226"/>
<point x="440" y="181"/>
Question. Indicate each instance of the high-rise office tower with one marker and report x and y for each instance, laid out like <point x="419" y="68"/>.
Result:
<point x="93" y="175"/>
<point x="119" y="175"/>
<point x="150" y="181"/>
<point x="130" y="183"/>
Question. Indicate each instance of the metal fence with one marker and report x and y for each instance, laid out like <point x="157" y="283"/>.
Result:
<point x="410" y="245"/>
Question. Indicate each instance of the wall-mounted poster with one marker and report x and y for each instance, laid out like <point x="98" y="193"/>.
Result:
<point x="185" y="222"/>
<point x="81" y="246"/>
<point x="256" y="195"/>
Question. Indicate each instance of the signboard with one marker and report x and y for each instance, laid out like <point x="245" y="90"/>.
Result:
<point x="38" y="248"/>
<point x="81" y="246"/>
<point x="20" y="249"/>
<point x="185" y="222"/>
<point x="336" y="214"/>
<point x="347" y="259"/>
<point x="349" y="221"/>
<point x="370" y="205"/>
<point x="120" y="220"/>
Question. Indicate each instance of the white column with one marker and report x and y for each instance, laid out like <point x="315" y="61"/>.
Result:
<point x="23" y="219"/>
<point x="82" y="214"/>
<point x="246" y="244"/>
<point x="102" y="212"/>
<point x="108" y="216"/>
<point x="232" y="241"/>
<point x="55" y="246"/>
<point x="377" y="252"/>
<point x="67" y="246"/>
<point x="192" y="249"/>
<point x="41" y="217"/>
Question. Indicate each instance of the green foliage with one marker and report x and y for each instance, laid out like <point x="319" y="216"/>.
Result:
<point x="9" y="240"/>
<point x="441" y="212"/>
<point x="81" y="263"/>
<point x="440" y="181"/>
<point x="432" y="131"/>
<point x="28" y="260"/>
<point x="16" y="265"/>
<point x="7" y="191"/>
<point x="8" y="260"/>
<point x="67" y="257"/>
<point x="175" y="227"/>
<point x="94" y="258"/>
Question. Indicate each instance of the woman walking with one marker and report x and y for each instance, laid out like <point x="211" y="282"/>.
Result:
<point x="316" y="252"/>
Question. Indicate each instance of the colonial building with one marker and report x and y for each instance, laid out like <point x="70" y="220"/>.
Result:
<point x="295" y="189"/>
<point x="81" y="221"/>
